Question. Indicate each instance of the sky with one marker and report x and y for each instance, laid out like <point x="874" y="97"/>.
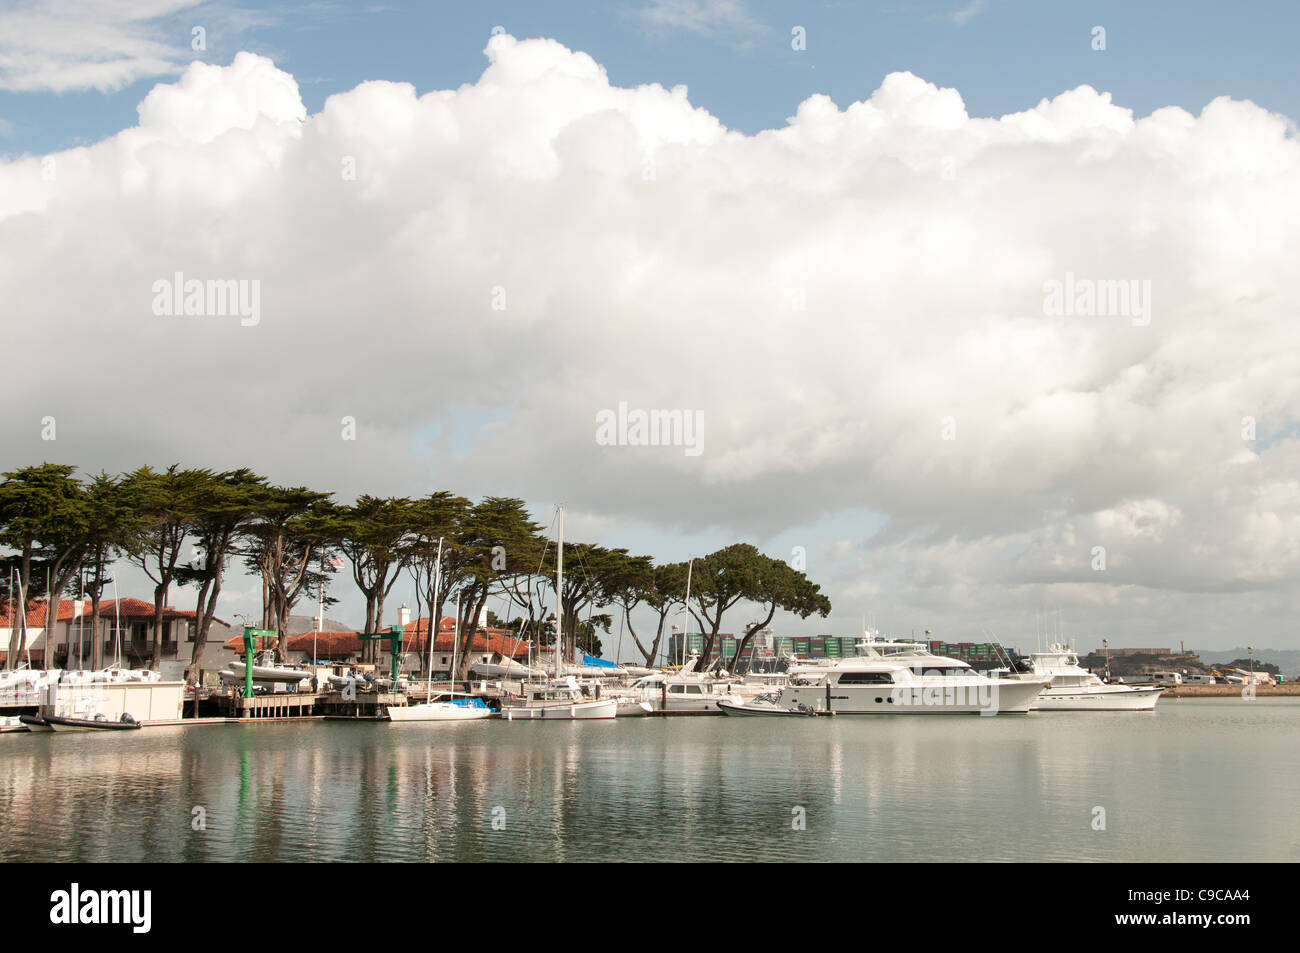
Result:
<point x="983" y="312"/>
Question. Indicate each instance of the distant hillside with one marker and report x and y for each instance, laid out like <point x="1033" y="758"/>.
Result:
<point x="299" y="624"/>
<point x="1288" y="660"/>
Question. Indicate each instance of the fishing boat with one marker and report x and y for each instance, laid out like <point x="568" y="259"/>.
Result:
<point x="1073" y="688"/>
<point x="560" y="699"/>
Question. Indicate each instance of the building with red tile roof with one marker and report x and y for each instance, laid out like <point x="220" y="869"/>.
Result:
<point x="125" y="626"/>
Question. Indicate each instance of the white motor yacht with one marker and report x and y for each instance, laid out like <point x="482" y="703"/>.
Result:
<point x="894" y="677"/>
<point x="1073" y="688"/>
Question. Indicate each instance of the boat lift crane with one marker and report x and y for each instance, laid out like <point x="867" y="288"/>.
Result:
<point x="393" y="636"/>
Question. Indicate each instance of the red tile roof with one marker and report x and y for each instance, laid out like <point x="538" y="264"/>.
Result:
<point x="125" y="608"/>
<point x="415" y="639"/>
<point x="36" y="613"/>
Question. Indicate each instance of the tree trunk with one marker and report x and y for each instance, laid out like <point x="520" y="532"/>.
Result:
<point x="159" y="601"/>
<point x="18" y="634"/>
<point x="748" y="637"/>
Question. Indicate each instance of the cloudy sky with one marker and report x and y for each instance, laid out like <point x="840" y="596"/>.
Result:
<point x="981" y="309"/>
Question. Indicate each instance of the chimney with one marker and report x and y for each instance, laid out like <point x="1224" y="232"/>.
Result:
<point x="403" y="616"/>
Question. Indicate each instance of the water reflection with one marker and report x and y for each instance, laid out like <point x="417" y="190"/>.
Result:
<point x="887" y="788"/>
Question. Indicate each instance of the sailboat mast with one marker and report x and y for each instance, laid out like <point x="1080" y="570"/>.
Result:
<point x="455" y="644"/>
<point x="687" y="608"/>
<point x="559" y="591"/>
<point x="433" y="622"/>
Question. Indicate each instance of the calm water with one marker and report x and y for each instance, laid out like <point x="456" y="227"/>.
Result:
<point x="1210" y="779"/>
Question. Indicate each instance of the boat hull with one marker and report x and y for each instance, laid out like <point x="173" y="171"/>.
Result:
<point x="234" y="673"/>
<point x="438" y="711"/>
<point x="566" y="711"/>
<point x="1004" y="697"/>
<point x="35" y="723"/>
<point x="742" y="709"/>
<point x="634" y="708"/>
<point x="1112" y="698"/>
<point x="59" y="724"/>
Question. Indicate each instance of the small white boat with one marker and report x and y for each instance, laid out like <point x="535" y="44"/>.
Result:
<point x="449" y="706"/>
<point x="768" y="704"/>
<point x="630" y="706"/>
<point x="233" y="673"/>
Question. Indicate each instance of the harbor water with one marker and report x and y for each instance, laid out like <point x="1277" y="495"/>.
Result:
<point x="1196" y="780"/>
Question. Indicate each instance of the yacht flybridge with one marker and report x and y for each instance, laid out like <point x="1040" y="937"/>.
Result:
<point x="1073" y="688"/>
<point x="893" y="677"/>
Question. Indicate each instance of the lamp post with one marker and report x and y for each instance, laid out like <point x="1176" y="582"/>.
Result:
<point x="1105" y="644"/>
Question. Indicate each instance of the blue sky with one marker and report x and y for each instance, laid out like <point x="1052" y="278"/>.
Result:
<point x="1003" y="57"/>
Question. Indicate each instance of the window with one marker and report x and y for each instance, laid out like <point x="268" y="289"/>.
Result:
<point x="866" y="678"/>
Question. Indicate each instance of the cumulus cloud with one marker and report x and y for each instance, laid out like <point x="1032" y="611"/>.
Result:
<point x="854" y="302"/>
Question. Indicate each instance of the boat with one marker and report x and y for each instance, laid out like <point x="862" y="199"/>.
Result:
<point x="447" y="706"/>
<point x="903" y="677"/>
<point x="35" y="723"/>
<point x="685" y="690"/>
<point x="1073" y="688"/>
<point x="503" y="667"/>
<point x="109" y="676"/>
<point x="451" y="705"/>
<point x="765" y="704"/>
<point x="234" y="671"/>
<point x="559" y="699"/>
<point x="629" y="706"/>
<point x="59" y="723"/>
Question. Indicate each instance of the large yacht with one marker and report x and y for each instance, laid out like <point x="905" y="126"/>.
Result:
<point x="1073" y="688"/>
<point x="895" y="677"/>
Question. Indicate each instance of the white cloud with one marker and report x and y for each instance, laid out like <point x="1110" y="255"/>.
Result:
<point x="703" y="17"/>
<point x="649" y="255"/>
<point x="971" y="10"/>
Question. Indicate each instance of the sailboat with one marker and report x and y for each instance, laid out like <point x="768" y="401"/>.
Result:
<point x="451" y="705"/>
<point x="560" y="699"/>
